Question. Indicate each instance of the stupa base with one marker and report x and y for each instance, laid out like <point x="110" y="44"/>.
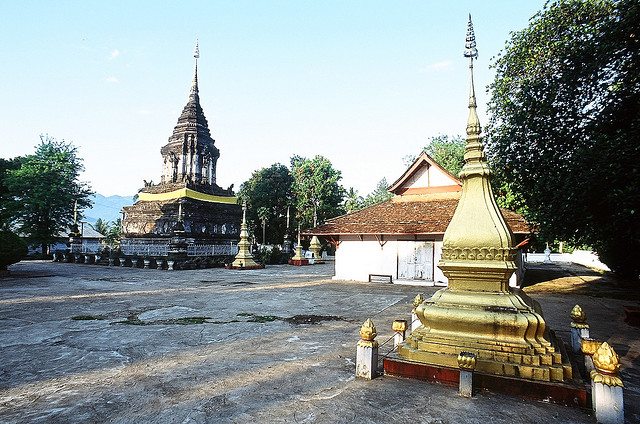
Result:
<point x="569" y="393"/>
<point x="298" y="262"/>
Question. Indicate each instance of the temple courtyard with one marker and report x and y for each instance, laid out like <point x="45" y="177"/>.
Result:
<point x="93" y="344"/>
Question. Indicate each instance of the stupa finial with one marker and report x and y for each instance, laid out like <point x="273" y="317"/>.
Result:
<point x="244" y="212"/>
<point x="470" y="51"/>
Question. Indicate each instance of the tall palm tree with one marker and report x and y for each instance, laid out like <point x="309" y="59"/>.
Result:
<point x="263" y="215"/>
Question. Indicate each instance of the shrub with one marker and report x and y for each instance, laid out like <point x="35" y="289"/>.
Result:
<point x="273" y="256"/>
<point x="12" y="249"/>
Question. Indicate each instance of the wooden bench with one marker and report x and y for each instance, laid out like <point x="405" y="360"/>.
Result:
<point x="380" y="278"/>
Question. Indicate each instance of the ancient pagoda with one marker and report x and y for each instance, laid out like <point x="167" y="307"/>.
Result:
<point x="478" y="313"/>
<point x="187" y="201"/>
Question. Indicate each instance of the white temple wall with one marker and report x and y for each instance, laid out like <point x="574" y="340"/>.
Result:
<point x="356" y="259"/>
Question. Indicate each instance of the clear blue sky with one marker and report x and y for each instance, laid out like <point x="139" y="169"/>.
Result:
<point x="363" y="83"/>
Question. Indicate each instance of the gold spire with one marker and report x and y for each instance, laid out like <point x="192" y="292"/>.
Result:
<point x="477" y="230"/>
<point x="244" y="258"/>
<point x="478" y="312"/>
<point x="470" y="51"/>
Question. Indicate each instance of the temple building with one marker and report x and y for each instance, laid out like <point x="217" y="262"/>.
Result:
<point x="400" y="240"/>
<point x="187" y="201"/>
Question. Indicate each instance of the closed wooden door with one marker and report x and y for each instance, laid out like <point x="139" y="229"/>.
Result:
<point x="415" y="260"/>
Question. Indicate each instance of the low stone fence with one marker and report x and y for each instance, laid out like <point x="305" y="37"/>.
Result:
<point x="212" y="250"/>
<point x="153" y="256"/>
<point x="581" y="257"/>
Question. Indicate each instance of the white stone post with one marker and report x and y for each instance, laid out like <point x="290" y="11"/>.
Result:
<point x="170" y="265"/>
<point x="466" y="363"/>
<point x="607" y="387"/>
<point x="367" y="351"/>
<point x="547" y="255"/>
<point x="147" y="261"/>
<point x="399" y="327"/>
<point x="579" y="328"/>
<point x="158" y="263"/>
<point x="415" y="321"/>
<point x="122" y="261"/>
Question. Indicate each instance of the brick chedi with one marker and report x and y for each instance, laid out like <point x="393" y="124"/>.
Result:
<point x="187" y="193"/>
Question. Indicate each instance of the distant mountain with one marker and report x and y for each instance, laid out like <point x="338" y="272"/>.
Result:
<point x="106" y="207"/>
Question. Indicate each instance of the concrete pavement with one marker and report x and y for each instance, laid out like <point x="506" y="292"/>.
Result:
<point x="87" y="343"/>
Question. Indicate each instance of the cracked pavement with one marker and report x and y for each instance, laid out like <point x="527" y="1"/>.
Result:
<point x="68" y="354"/>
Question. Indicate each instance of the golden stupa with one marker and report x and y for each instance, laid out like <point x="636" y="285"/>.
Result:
<point x="478" y="312"/>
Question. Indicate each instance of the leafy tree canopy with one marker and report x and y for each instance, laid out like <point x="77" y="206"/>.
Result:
<point x="316" y="189"/>
<point x="44" y="189"/>
<point x="6" y="165"/>
<point x="111" y="230"/>
<point x="352" y="200"/>
<point x="448" y="151"/>
<point x="565" y="125"/>
<point x="269" y="188"/>
<point x="378" y="195"/>
<point x="12" y="249"/>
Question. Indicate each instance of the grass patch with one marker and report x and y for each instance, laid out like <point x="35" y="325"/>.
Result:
<point x="258" y="318"/>
<point x="188" y="320"/>
<point x="134" y="320"/>
<point x="312" y="319"/>
<point x="86" y="318"/>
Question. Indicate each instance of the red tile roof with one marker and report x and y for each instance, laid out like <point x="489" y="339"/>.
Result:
<point x="423" y="215"/>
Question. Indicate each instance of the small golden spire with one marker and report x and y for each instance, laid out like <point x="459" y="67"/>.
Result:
<point x="244" y="212"/>
<point x="589" y="346"/>
<point x="399" y="325"/>
<point x="607" y="364"/>
<point x="470" y="51"/>
<point x="368" y="331"/>
<point x="578" y="318"/>
<point x="418" y="300"/>
<point x="467" y="361"/>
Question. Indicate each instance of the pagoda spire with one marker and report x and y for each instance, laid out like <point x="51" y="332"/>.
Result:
<point x="478" y="312"/>
<point x="194" y="84"/>
<point x="470" y="51"/>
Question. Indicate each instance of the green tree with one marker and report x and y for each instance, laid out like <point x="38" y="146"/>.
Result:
<point x="316" y="189"/>
<point x="448" y="151"/>
<point x="352" y="201"/>
<point x="269" y="188"/>
<point x="6" y="214"/>
<point x="12" y="249"/>
<point x="110" y="230"/>
<point x="44" y="189"/>
<point x="378" y="195"/>
<point x="101" y="226"/>
<point x="565" y="125"/>
<point x="263" y="216"/>
<point x="114" y="233"/>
